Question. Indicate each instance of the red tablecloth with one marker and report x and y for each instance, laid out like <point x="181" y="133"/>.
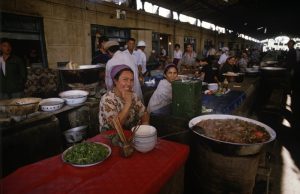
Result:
<point x="141" y="173"/>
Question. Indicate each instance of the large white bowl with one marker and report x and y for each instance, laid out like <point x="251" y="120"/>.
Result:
<point x="74" y="97"/>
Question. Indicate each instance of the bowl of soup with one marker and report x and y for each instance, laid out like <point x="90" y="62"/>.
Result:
<point x="230" y="134"/>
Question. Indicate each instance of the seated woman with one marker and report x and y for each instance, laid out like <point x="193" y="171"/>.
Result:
<point x="162" y="96"/>
<point x="229" y="66"/>
<point x="121" y="102"/>
<point x="207" y="73"/>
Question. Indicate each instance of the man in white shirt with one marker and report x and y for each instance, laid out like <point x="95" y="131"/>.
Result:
<point x="118" y="58"/>
<point x="130" y="50"/>
<point x="141" y="56"/>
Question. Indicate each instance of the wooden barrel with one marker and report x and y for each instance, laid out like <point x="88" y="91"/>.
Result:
<point x="215" y="173"/>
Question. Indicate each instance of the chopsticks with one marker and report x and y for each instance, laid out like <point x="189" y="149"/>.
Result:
<point x="135" y="130"/>
<point x="119" y="129"/>
<point x="126" y="149"/>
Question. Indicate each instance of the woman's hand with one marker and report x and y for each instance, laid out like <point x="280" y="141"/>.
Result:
<point x="127" y="96"/>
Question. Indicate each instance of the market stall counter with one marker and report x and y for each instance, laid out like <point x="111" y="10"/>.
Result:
<point x="142" y="173"/>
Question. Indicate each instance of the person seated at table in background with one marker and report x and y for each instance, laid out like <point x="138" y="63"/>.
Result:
<point x="162" y="96"/>
<point x="230" y="65"/>
<point x="207" y="74"/>
<point x="121" y="102"/>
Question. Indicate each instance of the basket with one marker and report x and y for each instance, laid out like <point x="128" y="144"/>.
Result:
<point x="19" y="106"/>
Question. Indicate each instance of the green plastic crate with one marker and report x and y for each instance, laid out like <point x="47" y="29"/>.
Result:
<point x="186" y="100"/>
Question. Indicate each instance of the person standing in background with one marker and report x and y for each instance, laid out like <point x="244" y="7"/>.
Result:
<point x="13" y="72"/>
<point x="141" y="57"/>
<point x="101" y="56"/>
<point x="130" y="51"/>
<point x="223" y="57"/>
<point x="211" y="51"/>
<point x="163" y="51"/>
<point x="177" y="54"/>
<point x="188" y="58"/>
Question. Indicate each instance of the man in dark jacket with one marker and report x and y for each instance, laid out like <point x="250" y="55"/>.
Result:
<point x="293" y="67"/>
<point x="12" y="72"/>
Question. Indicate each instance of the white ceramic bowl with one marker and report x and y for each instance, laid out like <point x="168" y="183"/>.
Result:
<point x="74" y="97"/>
<point x="145" y="138"/>
<point x="212" y="86"/>
<point x="145" y="147"/>
<point x="76" y="134"/>
<point x="51" y="104"/>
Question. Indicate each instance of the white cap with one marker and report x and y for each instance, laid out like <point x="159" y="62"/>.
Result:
<point x="141" y="43"/>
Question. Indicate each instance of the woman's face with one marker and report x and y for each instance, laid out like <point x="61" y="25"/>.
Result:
<point x="125" y="81"/>
<point x="231" y="61"/>
<point x="171" y="74"/>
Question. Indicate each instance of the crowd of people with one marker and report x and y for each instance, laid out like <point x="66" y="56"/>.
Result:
<point x="126" y="70"/>
<point x="208" y="66"/>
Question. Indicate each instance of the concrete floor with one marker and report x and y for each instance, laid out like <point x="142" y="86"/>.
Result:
<point x="284" y="165"/>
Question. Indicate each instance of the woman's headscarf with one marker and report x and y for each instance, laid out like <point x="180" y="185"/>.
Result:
<point x="116" y="69"/>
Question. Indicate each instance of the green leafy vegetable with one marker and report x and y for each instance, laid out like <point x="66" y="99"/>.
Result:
<point x="86" y="153"/>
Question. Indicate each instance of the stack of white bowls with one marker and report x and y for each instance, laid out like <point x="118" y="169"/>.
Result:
<point x="145" y="138"/>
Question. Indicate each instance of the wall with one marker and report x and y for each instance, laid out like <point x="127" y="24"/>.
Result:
<point x="67" y="26"/>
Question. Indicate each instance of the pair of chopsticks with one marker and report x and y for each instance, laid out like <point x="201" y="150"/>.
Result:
<point x="119" y="129"/>
<point x="135" y="130"/>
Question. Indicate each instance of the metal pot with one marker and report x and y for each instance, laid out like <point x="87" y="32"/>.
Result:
<point x="86" y="74"/>
<point x="228" y="148"/>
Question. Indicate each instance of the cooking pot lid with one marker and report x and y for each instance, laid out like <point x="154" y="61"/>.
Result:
<point x="82" y="67"/>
